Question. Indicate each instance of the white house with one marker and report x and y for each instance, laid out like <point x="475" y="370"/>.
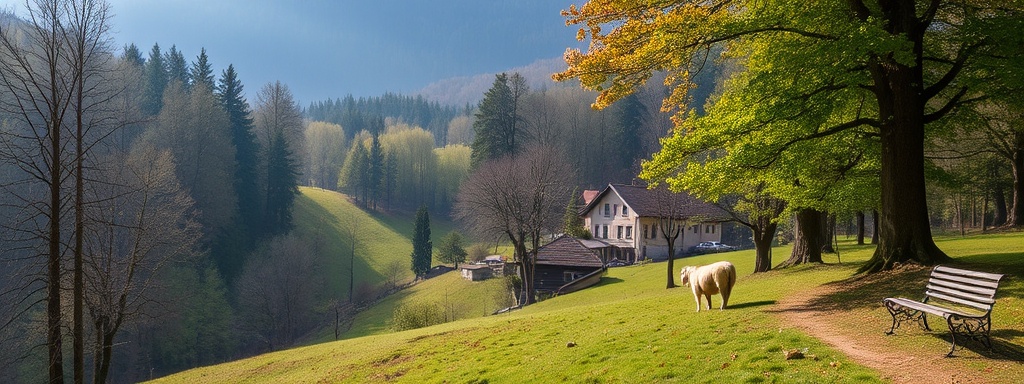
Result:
<point x="628" y="218"/>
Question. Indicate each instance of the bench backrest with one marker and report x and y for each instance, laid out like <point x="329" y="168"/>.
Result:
<point x="969" y="288"/>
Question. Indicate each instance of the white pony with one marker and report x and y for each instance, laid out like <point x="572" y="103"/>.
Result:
<point x="710" y="279"/>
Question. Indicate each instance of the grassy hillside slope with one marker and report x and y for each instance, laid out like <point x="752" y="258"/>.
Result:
<point x="467" y="299"/>
<point x="382" y="240"/>
<point x="630" y="329"/>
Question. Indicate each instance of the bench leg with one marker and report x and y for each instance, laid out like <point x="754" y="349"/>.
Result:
<point x="952" y="336"/>
<point x="974" y="328"/>
<point x="900" y="314"/>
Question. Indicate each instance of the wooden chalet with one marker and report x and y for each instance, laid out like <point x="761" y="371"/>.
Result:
<point x="566" y="265"/>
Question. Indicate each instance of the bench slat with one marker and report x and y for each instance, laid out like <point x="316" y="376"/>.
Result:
<point x="932" y="309"/>
<point x="966" y="280"/>
<point x="957" y="300"/>
<point x="964" y="272"/>
<point x="970" y="289"/>
<point x="979" y="300"/>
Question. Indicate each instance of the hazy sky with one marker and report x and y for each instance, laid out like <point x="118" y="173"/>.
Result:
<point x="323" y="49"/>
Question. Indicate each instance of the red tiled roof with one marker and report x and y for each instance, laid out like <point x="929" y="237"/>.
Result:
<point x="589" y="195"/>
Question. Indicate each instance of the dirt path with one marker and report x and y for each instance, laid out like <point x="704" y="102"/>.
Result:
<point x="869" y="347"/>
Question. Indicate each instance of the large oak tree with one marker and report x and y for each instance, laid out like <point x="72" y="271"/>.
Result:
<point x="879" y="71"/>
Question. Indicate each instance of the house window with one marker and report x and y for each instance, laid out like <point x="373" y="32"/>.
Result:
<point x="696" y="229"/>
<point x="615" y="209"/>
<point x="604" y="230"/>
<point x="625" y="210"/>
<point x="654" y="231"/>
<point x="568" y="276"/>
<point x="618" y="234"/>
<point x="607" y="210"/>
<point x="712" y="228"/>
<point x="707" y="229"/>
<point x="597" y="231"/>
<point x="645" y="231"/>
<point x="629" y="231"/>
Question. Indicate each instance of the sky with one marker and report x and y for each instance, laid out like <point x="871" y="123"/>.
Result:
<point x="326" y="49"/>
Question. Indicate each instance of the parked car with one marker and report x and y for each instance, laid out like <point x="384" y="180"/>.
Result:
<point x="616" y="263"/>
<point x="712" y="246"/>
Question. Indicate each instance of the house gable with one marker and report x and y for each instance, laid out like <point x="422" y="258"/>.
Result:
<point x="634" y="233"/>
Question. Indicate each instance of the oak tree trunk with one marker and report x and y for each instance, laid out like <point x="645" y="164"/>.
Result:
<point x="763" y="247"/>
<point x="1015" y="215"/>
<point x="828" y="232"/>
<point x="904" y="231"/>
<point x="999" y="202"/>
<point x="860" y="228"/>
<point x="874" y="227"/>
<point x="807" y="243"/>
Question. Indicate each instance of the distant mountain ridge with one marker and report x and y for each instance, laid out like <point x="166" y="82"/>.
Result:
<point x="462" y="90"/>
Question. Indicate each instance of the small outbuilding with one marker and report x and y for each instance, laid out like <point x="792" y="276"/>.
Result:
<point x="566" y="265"/>
<point x="476" y="272"/>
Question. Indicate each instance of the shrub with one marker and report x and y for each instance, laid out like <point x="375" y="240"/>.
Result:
<point x="417" y="315"/>
<point x="477" y="253"/>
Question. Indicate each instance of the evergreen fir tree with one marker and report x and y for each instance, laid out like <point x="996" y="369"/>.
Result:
<point x="451" y="250"/>
<point x="376" y="168"/>
<point x="491" y="118"/>
<point x="498" y="127"/>
<point x="201" y="72"/>
<point x="363" y="162"/>
<point x="421" y="245"/>
<point x="156" y="82"/>
<point x="630" y="120"/>
<point x="572" y="222"/>
<point x="282" y="185"/>
<point x="246" y="181"/>
<point x="354" y="173"/>
<point x="177" y="69"/>
<point x="390" y="177"/>
<point x="134" y="56"/>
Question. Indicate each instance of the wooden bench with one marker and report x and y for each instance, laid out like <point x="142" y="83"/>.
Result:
<point x="964" y="298"/>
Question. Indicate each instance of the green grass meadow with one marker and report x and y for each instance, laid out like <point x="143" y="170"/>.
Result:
<point x="630" y="329"/>
<point x="381" y="239"/>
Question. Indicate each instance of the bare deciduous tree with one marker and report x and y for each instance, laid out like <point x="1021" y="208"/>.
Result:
<point x="519" y="197"/>
<point x="277" y="292"/>
<point x="45" y="67"/>
<point x="143" y="219"/>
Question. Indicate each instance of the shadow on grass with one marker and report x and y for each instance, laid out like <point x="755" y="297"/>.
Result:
<point x="867" y="291"/>
<point x="1001" y="348"/>
<point x="605" y="280"/>
<point x="752" y="304"/>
